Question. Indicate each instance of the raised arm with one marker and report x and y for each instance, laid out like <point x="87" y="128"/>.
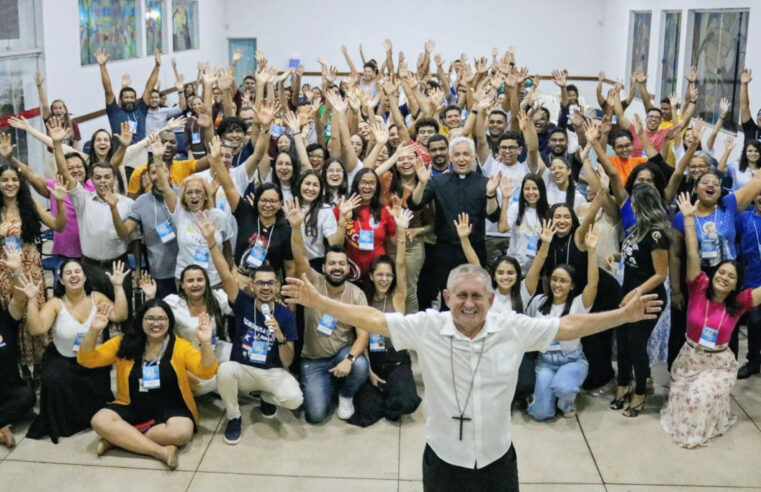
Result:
<point x="484" y="102"/>
<point x="301" y="151"/>
<point x="672" y="188"/>
<point x="464" y="229"/>
<point x="729" y="146"/>
<point x="589" y="293"/>
<point x="535" y="270"/>
<point x="534" y="160"/>
<point x="647" y="146"/>
<point x="339" y="111"/>
<point x="724" y="106"/>
<point x="747" y="193"/>
<point x="345" y="52"/>
<point x="690" y="236"/>
<point x="57" y="134"/>
<point x="152" y="78"/>
<point x="102" y="58"/>
<point x="44" y="106"/>
<point x="208" y="229"/>
<point x="296" y="218"/>
<point x="745" y="77"/>
<point x="223" y="176"/>
<point x="402" y="217"/>
<point x="57" y="223"/>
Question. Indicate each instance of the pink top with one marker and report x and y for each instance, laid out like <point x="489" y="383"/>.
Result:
<point x="656" y="139"/>
<point x="718" y="317"/>
<point x="66" y="243"/>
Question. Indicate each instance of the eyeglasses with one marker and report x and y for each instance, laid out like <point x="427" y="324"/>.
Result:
<point x="156" y="319"/>
<point x="265" y="283"/>
<point x="367" y="183"/>
<point x="267" y="201"/>
<point x="510" y="148"/>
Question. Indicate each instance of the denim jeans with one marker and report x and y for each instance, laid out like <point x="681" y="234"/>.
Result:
<point x="559" y="376"/>
<point x="317" y="383"/>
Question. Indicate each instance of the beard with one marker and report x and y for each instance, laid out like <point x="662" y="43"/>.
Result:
<point x="333" y="282"/>
<point x="128" y="107"/>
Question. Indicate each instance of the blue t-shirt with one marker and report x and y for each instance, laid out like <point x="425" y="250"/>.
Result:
<point x="748" y="224"/>
<point x="628" y="219"/>
<point x="116" y="115"/>
<point x="716" y="232"/>
<point x="252" y="335"/>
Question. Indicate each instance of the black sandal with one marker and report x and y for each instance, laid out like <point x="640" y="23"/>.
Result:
<point x="635" y="411"/>
<point x="618" y="403"/>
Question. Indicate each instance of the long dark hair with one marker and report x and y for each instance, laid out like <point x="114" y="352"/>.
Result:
<point x="542" y="207"/>
<point x="30" y="218"/>
<point x="515" y="290"/>
<point x="570" y="192"/>
<point x="313" y="212"/>
<point x="370" y="285"/>
<point x="574" y="218"/>
<point x="550" y="299"/>
<point x="343" y="188"/>
<point x="59" y="290"/>
<point x="744" y="158"/>
<point x="132" y="346"/>
<point x="733" y="307"/>
<point x="208" y="298"/>
<point x="659" y="181"/>
<point x="91" y="154"/>
<point x="295" y="173"/>
<point x="375" y="203"/>
<point x="397" y="186"/>
<point x="259" y="191"/>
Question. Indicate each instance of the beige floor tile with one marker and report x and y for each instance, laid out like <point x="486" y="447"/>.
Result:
<point x="33" y="477"/>
<point x="204" y="482"/>
<point x="747" y="393"/>
<point x="638" y="450"/>
<point x="80" y="448"/>
<point x="417" y="486"/>
<point x="410" y="486"/>
<point x="19" y="432"/>
<point x="287" y="445"/>
<point x="671" y="488"/>
<point x="412" y="444"/>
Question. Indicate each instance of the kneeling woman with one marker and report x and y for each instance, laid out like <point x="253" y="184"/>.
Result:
<point x="705" y="372"/>
<point x="151" y="380"/>
<point x="561" y="370"/>
<point x="70" y="394"/>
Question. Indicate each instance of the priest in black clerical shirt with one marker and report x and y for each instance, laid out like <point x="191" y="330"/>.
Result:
<point x="453" y="193"/>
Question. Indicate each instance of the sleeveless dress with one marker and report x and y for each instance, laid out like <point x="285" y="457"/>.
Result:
<point x="70" y="394"/>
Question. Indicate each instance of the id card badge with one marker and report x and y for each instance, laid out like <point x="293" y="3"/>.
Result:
<point x="366" y="240"/>
<point x="78" y="342"/>
<point x="195" y="138"/>
<point x="151" y="379"/>
<point x="201" y="257"/>
<point x="377" y="343"/>
<point x="709" y="249"/>
<point x="222" y="203"/>
<point x="13" y="242"/>
<point x="277" y="130"/>
<point x="132" y="125"/>
<point x="259" y="350"/>
<point x="256" y="256"/>
<point x="708" y="337"/>
<point x="327" y="325"/>
<point x="165" y="231"/>
<point x="532" y="244"/>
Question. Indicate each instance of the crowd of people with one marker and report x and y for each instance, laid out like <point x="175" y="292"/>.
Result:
<point x="269" y="238"/>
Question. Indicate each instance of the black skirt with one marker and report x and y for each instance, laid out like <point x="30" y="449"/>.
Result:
<point x="69" y="396"/>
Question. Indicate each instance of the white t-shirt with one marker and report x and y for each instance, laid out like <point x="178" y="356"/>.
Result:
<point x="556" y="311"/>
<point x="504" y="303"/>
<point x="739" y="178"/>
<point x="556" y="195"/>
<point x="524" y="242"/>
<point x="185" y="325"/>
<point x="516" y="172"/>
<point x="240" y="180"/>
<point x="327" y="225"/>
<point x="191" y="244"/>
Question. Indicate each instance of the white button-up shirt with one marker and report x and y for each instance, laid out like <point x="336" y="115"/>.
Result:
<point x="507" y="336"/>
<point x="97" y="233"/>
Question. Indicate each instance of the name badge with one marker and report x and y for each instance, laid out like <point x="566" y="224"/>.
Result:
<point x="377" y="343"/>
<point x="532" y="244"/>
<point x="201" y="257"/>
<point x="256" y="256"/>
<point x="366" y="240"/>
<point x="708" y="337"/>
<point x="151" y="379"/>
<point x="132" y="125"/>
<point x="222" y="203"/>
<point x="13" y="242"/>
<point x="327" y="325"/>
<point x="78" y="342"/>
<point x="709" y="249"/>
<point x="195" y="137"/>
<point x="258" y="351"/>
<point x="165" y="231"/>
<point x="327" y="130"/>
<point x="277" y="130"/>
<point x="2" y="342"/>
<point x="555" y="345"/>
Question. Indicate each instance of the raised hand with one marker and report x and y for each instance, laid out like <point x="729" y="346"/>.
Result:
<point x="463" y="225"/>
<point x="337" y="102"/>
<point x="729" y="145"/>
<point x="101" y="56"/>
<point x="237" y="55"/>
<point x="560" y="77"/>
<point x="55" y="130"/>
<point x="692" y="75"/>
<point x="206" y="225"/>
<point x="292" y="122"/>
<point x="102" y="315"/>
<point x="12" y="260"/>
<point x="157" y="57"/>
<point x="215" y="147"/>
<point x="148" y="286"/>
<point x="204" y="328"/>
<point x="126" y="80"/>
<point x="299" y="291"/>
<point x="59" y="188"/>
<point x="548" y="231"/>
<point x="639" y="307"/>
<point x="125" y="137"/>
<point x="19" y="123"/>
<point x="402" y="218"/>
<point x="118" y="273"/>
<point x="293" y="213"/>
<point x="692" y="92"/>
<point x="638" y="124"/>
<point x="685" y="205"/>
<point x="590" y="240"/>
<point x="177" y="122"/>
<point x="6" y="147"/>
<point x="507" y="186"/>
<point x="345" y="206"/>
<point x="724" y="106"/>
<point x="380" y="132"/>
<point x="493" y="184"/>
<point x="746" y="76"/>
<point x="26" y="285"/>
<point x="423" y="173"/>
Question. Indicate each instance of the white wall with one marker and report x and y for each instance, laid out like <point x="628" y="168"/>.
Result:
<point x="80" y="86"/>
<point x="547" y="34"/>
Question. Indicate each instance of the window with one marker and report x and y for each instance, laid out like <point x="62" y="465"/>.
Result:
<point x="670" y="55"/>
<point x="717" y="40"/>
<point x="639" y="36"/>
<point x="107" y="24"/>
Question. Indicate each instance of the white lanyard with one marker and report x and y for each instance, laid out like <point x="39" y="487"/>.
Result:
<point x="269" y="238"/>
<point x="721" y="320"/>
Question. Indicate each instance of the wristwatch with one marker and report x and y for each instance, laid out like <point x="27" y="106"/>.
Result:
<point x="350" y="357"/>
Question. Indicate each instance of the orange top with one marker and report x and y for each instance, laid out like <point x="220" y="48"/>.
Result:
<point x="624" y="166"/>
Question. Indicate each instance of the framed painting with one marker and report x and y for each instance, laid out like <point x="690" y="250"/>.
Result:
<point x="107" y="24"/>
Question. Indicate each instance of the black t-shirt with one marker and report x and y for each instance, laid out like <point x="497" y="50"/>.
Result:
<point x="253" y="338"/>
<point x="751" y="130"/>
<point x="277" y="241"/>
<point x="9" y="375"/>
<point x="638" y="259"/>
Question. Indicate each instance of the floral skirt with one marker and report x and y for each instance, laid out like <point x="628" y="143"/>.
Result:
<point x="699" y="402"/>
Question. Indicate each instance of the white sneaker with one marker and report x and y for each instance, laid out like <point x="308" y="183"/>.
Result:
<point x="345" y="407"/>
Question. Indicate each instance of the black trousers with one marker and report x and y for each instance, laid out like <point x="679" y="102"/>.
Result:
<point x="754" y="335"/>
<point x="526" y="377"/>
<point x="632" y="353"/>
<point x="440" y="259"/>
<point x="16" y="402"/>
<point x="499" y="476"/>
<point x="598" y="348"/>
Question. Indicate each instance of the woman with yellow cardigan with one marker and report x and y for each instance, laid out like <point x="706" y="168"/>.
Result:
<point x="152" y="388"/>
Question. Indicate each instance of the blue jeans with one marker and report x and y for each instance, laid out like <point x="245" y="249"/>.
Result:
<point x="558" y="379"/>
<point x="317" y="383"/>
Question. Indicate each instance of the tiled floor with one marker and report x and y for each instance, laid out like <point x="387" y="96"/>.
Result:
<point x="597" y="451"/>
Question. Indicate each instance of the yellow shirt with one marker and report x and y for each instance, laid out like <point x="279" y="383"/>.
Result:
<point x="179" y="171"/>
<point x="670" y="158"/>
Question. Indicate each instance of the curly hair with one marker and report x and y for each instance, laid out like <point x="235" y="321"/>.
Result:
<point x="132" y="346"/>
<point x="27" y="209"/>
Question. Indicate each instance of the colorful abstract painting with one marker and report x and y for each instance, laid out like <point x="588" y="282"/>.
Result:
<point x="154" y="26"/>
<point x="640" y="39"/>
<point x="107" y="24"/>
<point x="184" y="25"/>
